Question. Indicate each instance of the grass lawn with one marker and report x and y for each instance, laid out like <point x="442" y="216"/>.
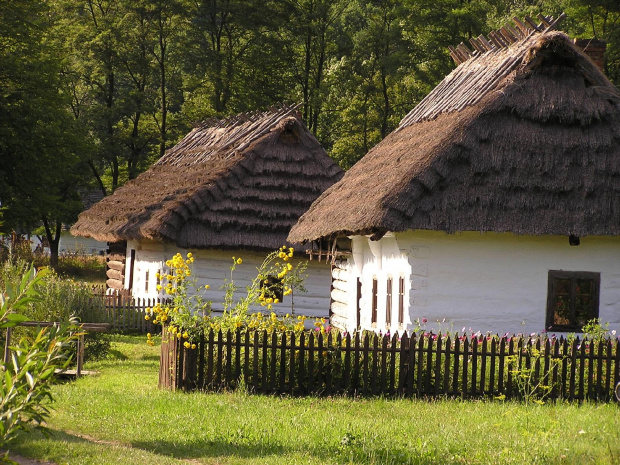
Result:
<point x="120" y="417"/>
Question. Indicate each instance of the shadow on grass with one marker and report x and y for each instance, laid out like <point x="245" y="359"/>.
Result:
<point x="117" y="355"/>
<point x="222" y="448"/>
<point x="238" y="447"/>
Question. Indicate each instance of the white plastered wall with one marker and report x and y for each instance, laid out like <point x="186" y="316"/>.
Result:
<point x="486" y="282"/>
<point x="212" y="267"/>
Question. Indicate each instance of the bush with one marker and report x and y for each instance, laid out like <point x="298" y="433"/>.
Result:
<point x="60" y="301"/>
<point x="25" y="382"/>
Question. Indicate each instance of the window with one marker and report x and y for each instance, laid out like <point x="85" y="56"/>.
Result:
<point x="401" y="301"/>
<point x="146" y="281"/>
<point x="374" y="301"/>
<point x="572" y="299"/>
<point x="388" y="304"/>
<point x="274" y="287"/>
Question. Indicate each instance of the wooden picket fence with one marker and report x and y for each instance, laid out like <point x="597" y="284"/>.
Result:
<point x="123" y="312"/>
<point x="370" y="364"/>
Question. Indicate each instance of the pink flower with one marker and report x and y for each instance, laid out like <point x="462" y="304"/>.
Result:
<point x="424" y="320"/>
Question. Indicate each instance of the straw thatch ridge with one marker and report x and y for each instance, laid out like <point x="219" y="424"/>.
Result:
<point x="523" y="139"/>
<point x="236" y="183"/>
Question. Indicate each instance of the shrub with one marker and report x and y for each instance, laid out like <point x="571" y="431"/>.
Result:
<point x="26" y="379"/>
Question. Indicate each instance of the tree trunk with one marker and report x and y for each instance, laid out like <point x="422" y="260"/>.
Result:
<point x="53" y="237"/>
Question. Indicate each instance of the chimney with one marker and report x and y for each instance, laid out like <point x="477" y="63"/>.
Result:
<point x="595" y="49"/>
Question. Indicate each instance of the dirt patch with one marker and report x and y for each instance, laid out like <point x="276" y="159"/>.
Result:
<point x="24" y="461"/>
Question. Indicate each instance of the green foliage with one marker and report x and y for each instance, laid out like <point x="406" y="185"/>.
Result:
<point x="58" y="300"/>
<point x="595" y="331"/>
<point x="26" y="380"/>
<point x="188" y="316"/>
<point x="523" y="365"/>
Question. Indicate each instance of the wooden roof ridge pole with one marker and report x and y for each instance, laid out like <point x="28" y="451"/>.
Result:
<point x="516" y="32"/>
<point x="480" y="48"/>
<point x="507" y="33"/>
<point x="524" y="28"/>
<point x="455" y="55"/>
<point x="544" y="20"/>
<point x="533" y="25"/>
<point x="554" y="24"/>
<point x="483" y="40"/>
<point x="464" y="50"/>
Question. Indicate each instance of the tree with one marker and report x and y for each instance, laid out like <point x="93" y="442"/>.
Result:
<point x="40" y="172"/>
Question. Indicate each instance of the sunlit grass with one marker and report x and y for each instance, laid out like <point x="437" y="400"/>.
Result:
<point x="120" y="417"/>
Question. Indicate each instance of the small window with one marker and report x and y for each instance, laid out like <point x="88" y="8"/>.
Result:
<point x="274" y="287"/>
<point x="374" y="300"/>
<point x="388" y="304"/>
<point x="401" y="300"/>
<point x="572" y="300"/>
<point x="146" y="281"/>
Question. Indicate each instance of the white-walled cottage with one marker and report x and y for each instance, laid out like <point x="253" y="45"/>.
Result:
<point x="495" y="204"/>
<point x="229" y="188"/>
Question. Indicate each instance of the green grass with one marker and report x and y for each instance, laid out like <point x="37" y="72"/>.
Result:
<point x="120" y="417"/>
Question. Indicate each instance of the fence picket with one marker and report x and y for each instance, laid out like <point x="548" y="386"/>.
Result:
<point x="412" y="365"/>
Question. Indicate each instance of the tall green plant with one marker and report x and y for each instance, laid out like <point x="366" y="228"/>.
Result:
<point x="27" y="377"/>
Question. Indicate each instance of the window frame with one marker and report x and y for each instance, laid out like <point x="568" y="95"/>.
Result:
<point x="388" y="303"/>
<point x="573" y="276"/>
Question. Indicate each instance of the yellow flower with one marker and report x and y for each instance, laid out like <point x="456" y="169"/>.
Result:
<point x="158" y="287"/>
<point x="207" y="286"/>
<point x="185" y="335"/>
<point x="276" y="301"/>
<point x="269" y="307"/>
<point x="289" y="266"/>
<point x="147" y="318"/>
<point x="239" y="261"/>
<point x="189" y="255"/>
<point x="288" y="291"/>
<point x="193" y="346"/>
<point x="187" y="345"/>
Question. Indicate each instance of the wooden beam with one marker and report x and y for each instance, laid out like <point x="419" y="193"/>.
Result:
<point x="464" y="50"/>
<point x="521" y="26"/>
<point x="556" y="22"/>
<point x="516" y="32"/>
<point x="532" y="24"/>
<point x="509" y="35"/>
<point x="543" y="20"/>
<point x="483" y="40"/>
<point x="477" y="45"/>
<point x="455" y="55"/>
<point x="497" y="39"/>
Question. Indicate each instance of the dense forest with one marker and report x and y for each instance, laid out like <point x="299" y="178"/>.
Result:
<point x="93" y="91"/>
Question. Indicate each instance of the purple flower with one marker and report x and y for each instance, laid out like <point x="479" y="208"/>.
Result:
<point x="424" y="320"/>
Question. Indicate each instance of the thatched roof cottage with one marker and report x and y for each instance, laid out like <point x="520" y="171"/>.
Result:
<point x="229" y="187"/>
<point x="495" y="204"/>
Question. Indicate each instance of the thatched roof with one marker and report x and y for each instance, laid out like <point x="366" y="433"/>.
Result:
<point x="236" y="183"/>
<point x="521" y="138"/>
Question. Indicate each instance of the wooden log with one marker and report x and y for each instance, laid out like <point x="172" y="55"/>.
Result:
<point x="516" y="32"/>
<point x="554" y="24"/>
<point x="114" y="284"/>
<point x="116" y="265"/>
<point x="523" y="27"/>
<point x="532" y="24"/>
<point x="544" y="20"/>
<point x="483" y="40"/>
<point x="477" y="45"/>
<point x="508" y="35"/>
<point x="114" y="274"/>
